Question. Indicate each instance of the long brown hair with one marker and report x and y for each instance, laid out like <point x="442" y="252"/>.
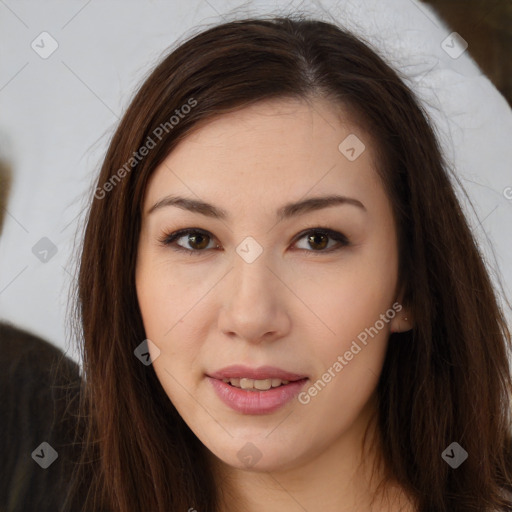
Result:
<point x="446" y="380"/>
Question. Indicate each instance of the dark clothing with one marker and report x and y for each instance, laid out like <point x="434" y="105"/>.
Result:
<point x="39" y="397"/>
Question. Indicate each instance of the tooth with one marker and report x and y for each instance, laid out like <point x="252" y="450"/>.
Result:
<point x="263" y="385"/>
<point x="256" y="384"/>
<point x="246" y="383"/>
<point x="225" y="380"/>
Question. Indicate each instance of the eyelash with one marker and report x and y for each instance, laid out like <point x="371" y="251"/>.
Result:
<point x="168" y="239"/>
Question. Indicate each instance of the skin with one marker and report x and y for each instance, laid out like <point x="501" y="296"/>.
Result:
<point x="294" y="307"/>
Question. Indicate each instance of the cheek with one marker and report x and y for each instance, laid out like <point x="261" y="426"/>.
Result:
<point x="169" y="306"/>
<point x="355" y="306"/>
<point x="352" y="345"/>
<point x="350" y="297"/>
<point x="164" y="304"/>
<point x="163" y="296"/>
<point x="153" y="295"/>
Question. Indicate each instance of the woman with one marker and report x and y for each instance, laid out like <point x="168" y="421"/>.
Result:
<point x="229" y="367"/>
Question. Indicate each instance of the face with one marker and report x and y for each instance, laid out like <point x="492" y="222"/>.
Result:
<point x="251" y="293"/>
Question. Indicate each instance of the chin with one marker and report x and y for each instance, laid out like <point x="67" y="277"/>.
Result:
<point x="257" y="456"/>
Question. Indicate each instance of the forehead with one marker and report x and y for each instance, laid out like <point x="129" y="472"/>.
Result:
<point x="272" y="148"/>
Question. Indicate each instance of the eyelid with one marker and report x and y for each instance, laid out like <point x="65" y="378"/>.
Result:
<point x="168" y="239"/>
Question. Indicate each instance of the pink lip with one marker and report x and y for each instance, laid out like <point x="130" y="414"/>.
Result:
<point x="263" y="372"/>
<point x="256" y="402"/>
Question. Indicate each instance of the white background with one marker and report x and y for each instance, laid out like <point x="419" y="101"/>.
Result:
<point x="58" y="114"/>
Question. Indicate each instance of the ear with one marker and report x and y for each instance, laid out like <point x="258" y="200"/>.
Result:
<point x="403" y="321"/>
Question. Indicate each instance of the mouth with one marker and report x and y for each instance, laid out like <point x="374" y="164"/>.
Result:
<point x="256" y="390"/>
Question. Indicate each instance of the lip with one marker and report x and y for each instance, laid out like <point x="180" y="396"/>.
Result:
<point x="263" y="372"/>
<point x="256" y="402"/>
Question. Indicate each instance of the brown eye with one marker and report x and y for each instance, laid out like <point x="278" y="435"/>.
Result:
<point x="194" y="240"/>
<point x="318" y="240"/>
<point x="197" y="241"/>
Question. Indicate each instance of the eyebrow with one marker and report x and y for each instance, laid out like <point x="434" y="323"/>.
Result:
<point x="285" y="212"/>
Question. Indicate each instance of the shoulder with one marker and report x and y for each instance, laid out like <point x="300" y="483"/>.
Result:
<point x="39" y="402"/>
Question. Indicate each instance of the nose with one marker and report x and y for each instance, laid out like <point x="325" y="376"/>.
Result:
<point x="256" y="302"/>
